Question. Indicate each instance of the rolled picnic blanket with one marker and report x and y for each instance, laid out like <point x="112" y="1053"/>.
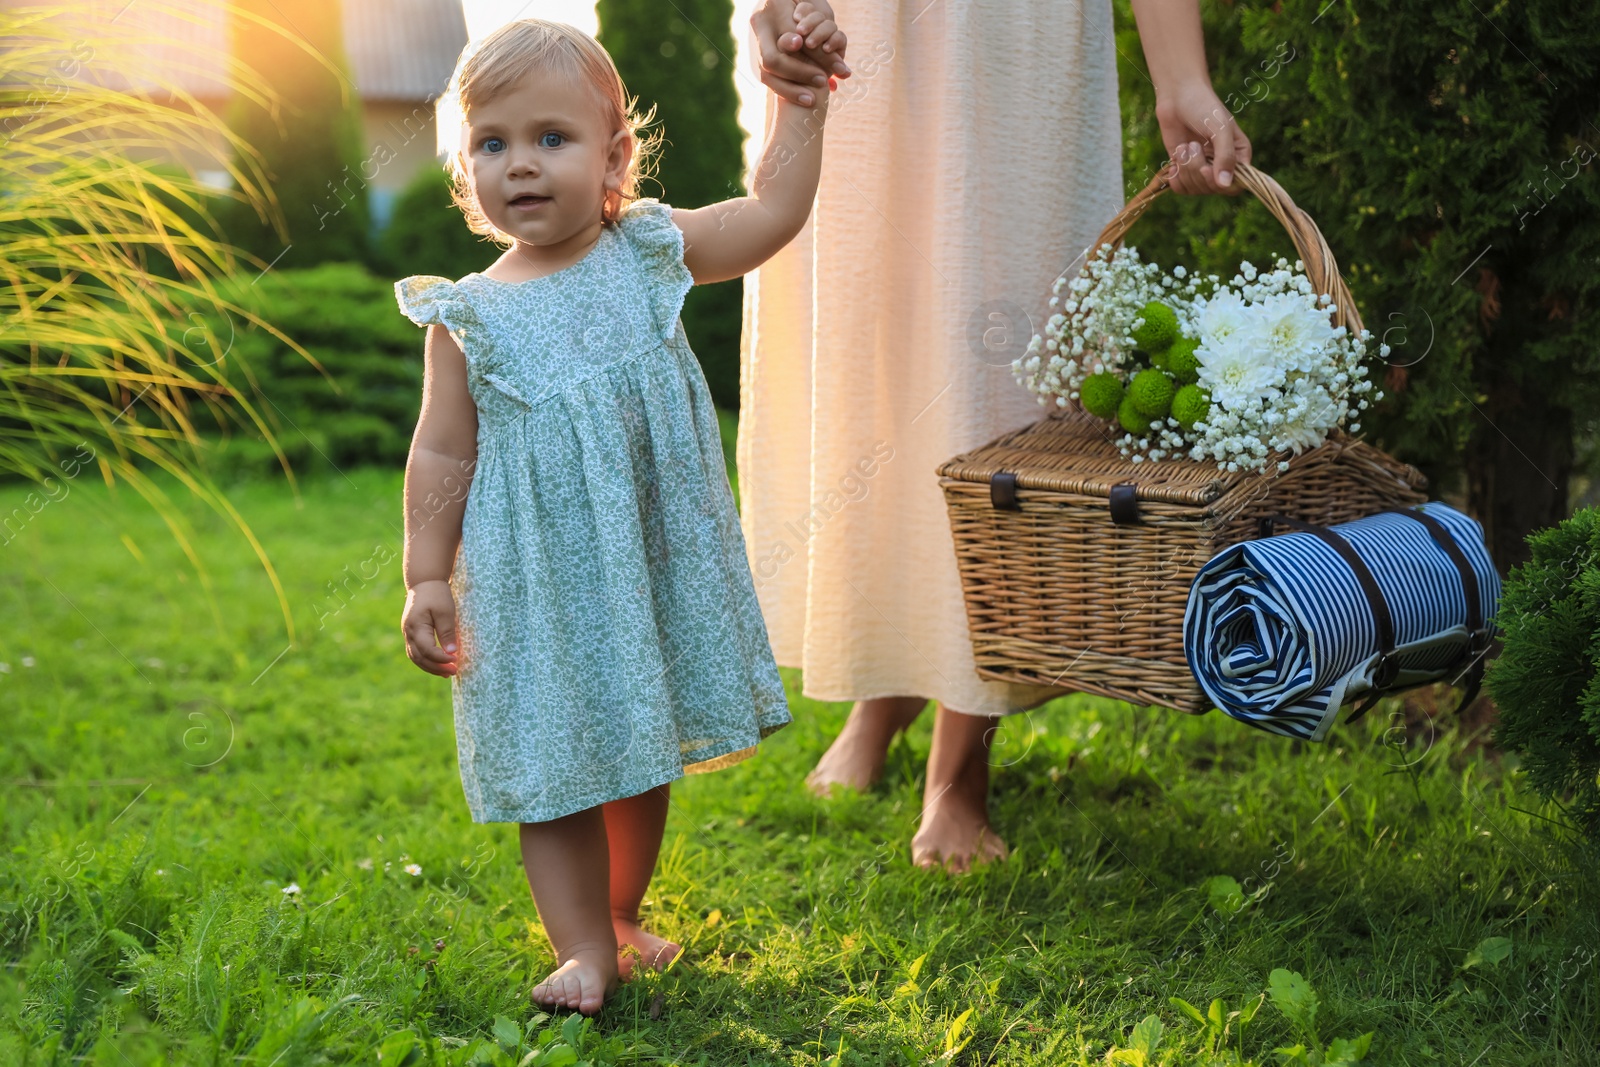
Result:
<point x="1281" y="631"/>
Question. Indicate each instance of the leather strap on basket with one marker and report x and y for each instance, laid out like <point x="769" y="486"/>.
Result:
<point x="1003" y="490"/>
<point x="1124" y="503"/>
<point x="1321" y="268"/>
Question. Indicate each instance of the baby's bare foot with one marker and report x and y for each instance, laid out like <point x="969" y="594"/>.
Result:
<point x="580" y="984"/>
<point x="636" y="943"/>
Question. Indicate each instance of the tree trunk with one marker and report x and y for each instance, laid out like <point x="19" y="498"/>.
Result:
<point x="1518" y="465"/>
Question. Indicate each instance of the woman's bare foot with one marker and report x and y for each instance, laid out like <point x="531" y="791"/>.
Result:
<point x="634" y="942"/>
<point x="855" y="759"/>
<point x="955" y="836"/>
<point x="955" y="831"/>
<point x="581" y="984"/>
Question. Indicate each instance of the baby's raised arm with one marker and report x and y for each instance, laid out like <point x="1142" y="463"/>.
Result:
<point x="733" y="237"/>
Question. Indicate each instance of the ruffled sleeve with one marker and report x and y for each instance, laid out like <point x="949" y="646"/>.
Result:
<point x="427" y="299"/>
<point x="658" y="243"/>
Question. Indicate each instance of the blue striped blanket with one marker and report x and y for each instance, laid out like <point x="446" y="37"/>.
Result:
<point x="1279" y="633"/>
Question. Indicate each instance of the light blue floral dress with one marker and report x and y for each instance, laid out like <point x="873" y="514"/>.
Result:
<point x="610" y="639"/>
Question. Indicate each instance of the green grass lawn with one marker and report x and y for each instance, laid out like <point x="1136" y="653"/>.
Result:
<point x="174" y="763"/>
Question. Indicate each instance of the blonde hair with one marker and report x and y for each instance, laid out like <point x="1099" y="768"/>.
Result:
<point x="502" y="59"/>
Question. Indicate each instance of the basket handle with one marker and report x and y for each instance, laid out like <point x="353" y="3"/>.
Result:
<point x="1321" y="269"/>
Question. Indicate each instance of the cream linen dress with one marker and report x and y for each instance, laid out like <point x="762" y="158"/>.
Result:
<point x="970" y="160"/>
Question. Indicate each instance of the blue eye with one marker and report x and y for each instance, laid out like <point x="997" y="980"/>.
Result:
<point x="488" y="141"/>
<point x="542" y="140"/>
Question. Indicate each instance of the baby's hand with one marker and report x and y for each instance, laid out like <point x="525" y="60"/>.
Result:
<point x="817" y="29"/>
<point x="788" y="68"/>
<point x="429" y="623"/>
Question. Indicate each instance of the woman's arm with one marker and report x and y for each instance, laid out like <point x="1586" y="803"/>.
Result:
<point x="734" y="237"/>
<point x="444" y="451"/>
<point x="1195" y="126"/>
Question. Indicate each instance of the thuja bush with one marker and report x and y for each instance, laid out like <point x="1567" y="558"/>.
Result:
<point x="1546" y="682"/>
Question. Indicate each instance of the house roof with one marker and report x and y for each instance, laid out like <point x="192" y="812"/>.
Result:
<point x="397" y="49"/>
<point x="403" y="49"/>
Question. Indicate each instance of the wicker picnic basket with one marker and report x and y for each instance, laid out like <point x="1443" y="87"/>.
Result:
<point x="1076" y="562"/>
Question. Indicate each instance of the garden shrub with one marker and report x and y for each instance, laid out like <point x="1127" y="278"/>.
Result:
<point x="1545" y="681"/>
<point x="362" y="410"/>
<point x="309" y="139"/>
<point x="427" y="234"/>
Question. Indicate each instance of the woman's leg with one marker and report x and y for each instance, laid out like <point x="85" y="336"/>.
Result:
<point x="568" y="869"/>
<point x="955" y="799"/>
<point x="634" y="826"/>
<point x="855" y="759"/>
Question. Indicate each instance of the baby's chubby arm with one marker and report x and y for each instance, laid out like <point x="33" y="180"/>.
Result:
<point x="444" y="453"/>
<point x="733" y="237"/>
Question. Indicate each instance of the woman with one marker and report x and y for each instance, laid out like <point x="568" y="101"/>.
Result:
<point x="975" y="150"/>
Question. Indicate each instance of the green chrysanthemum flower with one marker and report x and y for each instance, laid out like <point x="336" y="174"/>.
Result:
<point x="1159" y="328"/>
<point x="1151" y="393"/>
<point x="1131" y="420"/>
<point x="1189" y="405"/>
<point x="1101" y="394"/>
<point x="1182" y="363"/>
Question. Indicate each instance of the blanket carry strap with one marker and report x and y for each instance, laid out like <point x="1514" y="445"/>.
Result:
<point x="1477" y="633"/>
<point x="1388" y="666"/>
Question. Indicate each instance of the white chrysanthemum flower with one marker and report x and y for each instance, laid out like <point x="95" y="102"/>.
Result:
<point x="1223" y="319"/>
<point x="1239" y="372"/>
<point x="1293" y="330"/>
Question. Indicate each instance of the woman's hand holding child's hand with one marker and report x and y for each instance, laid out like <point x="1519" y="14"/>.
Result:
<point x="801" y="48"/>
<point x="429" y="623"/>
